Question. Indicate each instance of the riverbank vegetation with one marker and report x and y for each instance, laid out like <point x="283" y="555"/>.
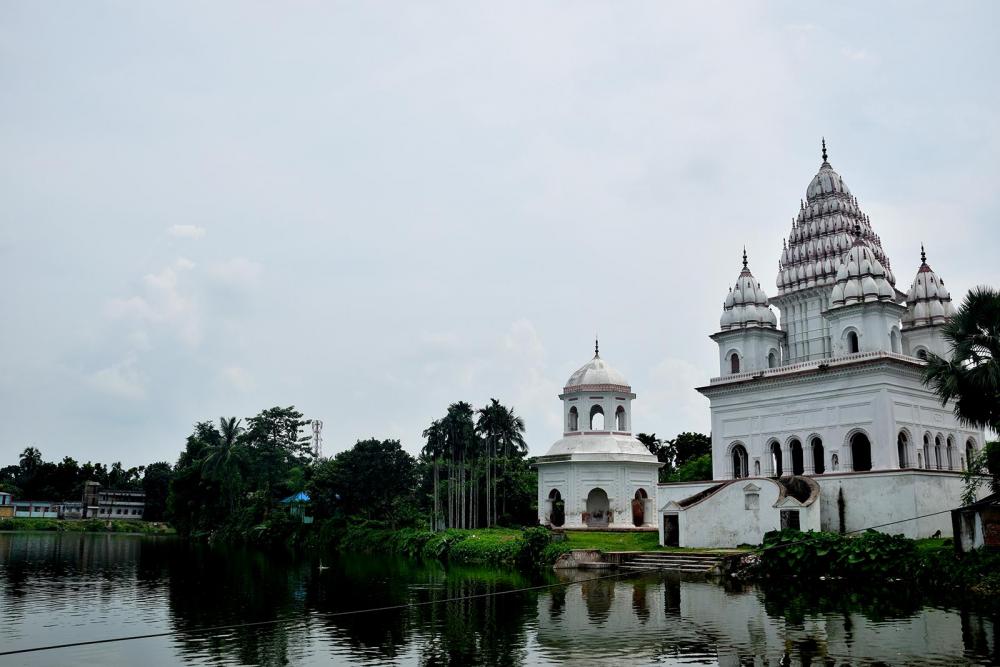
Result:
<point x="875" y="558"/>
<point x="85" y="526"/>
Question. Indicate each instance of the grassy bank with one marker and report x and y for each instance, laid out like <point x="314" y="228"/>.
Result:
<point x="85" y="526"/>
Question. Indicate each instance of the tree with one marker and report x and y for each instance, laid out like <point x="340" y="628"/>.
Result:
<point x="224" y="458"/>
<point x="156" y="486"/>
<point x="688" y="446"/>
<point x="434" y="452"/>
<point x="694" y="470"/>
<point x="274" y="445"/>
<point x="663" y="450"/>
<point x="375" y="479"/>
<point x="970" y="377"/>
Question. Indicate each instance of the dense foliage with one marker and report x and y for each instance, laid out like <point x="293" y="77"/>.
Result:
<point x="686" y="458"/>
<point x="875" y="557"/>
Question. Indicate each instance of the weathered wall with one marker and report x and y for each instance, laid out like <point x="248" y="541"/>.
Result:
<point x="575" y="479"/>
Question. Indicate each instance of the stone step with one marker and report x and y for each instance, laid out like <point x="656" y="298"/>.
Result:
<point x="680" y="568"/>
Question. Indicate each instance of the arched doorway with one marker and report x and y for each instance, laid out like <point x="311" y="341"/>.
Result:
<point x="740" y="462"/>
<point x="798" y="466"/>
<point x="776" y="459"/>
<point x="557" y="508"/>
<point x="597" y="507"/>
<point x="861" y="452"/>
<point x="597" y="418"/>
<point x="639" y="507"/>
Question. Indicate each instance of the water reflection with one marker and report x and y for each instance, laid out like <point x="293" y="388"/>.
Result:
<point x="58" y="588"/>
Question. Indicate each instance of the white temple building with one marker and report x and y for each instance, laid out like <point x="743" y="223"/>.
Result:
<point x="597" y="475"/>
<point x="833" y="394"/>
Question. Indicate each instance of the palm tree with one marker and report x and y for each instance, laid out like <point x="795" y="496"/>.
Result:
<point x="503" y="431"/>
<point x="434" y="451"/>
<point x="222" y="464"/>
<point x="971" y="377"/>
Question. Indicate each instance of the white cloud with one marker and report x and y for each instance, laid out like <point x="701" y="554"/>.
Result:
<point x="122" y="379"/>
<point x="186" y="231"/>
<point x="162" y="303"/>
<point x="239" y="378"/>
<point x="237" y="272"/>
<point x="854" y="54"/>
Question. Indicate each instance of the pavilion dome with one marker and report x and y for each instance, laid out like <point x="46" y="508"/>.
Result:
<point x="746" y="305"/>
<point x="861" y="278"/>
<point x="927" y="302"/>
<point x="822" y="232"/>
<point x="596" y="373"/>
<point x="604" y="447"/>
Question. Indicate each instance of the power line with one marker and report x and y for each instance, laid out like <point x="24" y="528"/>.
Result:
<point x="410" y="605"/>
<point x="236" y="626"/>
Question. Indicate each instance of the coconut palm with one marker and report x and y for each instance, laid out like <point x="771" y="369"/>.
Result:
<point x="222" y="464"/>
<point x="971" y="376"/>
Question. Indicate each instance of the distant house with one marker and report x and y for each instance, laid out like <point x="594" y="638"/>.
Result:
<point x="298" y="505"/>
<point x="6" y="506"/>
<point x="977" y="525"/>
<point x="111" y="504"/>
<point x="36" y="509"/>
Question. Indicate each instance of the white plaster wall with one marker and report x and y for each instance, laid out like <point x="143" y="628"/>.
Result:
<point x="753" y="346"/>
<point x="575" y="480"/>
<point x="609" y="402"/>
<point x="876" y="498"/>
<point x="808" y="332"/>
<point x="880" y="400"/>
<point x="723" y="520"/>
<point x="926" y="337"/>
<point x="873" y="323"/>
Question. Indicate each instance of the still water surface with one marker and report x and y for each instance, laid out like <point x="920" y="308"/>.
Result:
<point x="57" y="588"/>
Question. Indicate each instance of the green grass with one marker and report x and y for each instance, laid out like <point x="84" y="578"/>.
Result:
<point x="84" y="526"/>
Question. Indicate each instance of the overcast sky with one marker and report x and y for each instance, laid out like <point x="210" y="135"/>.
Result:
<point x="372" y="210"/>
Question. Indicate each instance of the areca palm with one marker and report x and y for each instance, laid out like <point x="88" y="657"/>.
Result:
<point x="503" y="431"/>
<point x="971" y="376"/>
<point x="434" y="450"/>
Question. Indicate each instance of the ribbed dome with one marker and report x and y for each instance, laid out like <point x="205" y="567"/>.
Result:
<point x="596" y="372"/>
<point x="746" y="305"/>
<point x="822" y="233"/>
<point x="927" y="302"/>
<point x="861" y="277"/>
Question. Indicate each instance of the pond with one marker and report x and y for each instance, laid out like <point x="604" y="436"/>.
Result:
<point x="64" y="588"/>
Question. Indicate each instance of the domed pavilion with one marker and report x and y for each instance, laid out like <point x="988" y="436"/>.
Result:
<point x="598" y="475"/>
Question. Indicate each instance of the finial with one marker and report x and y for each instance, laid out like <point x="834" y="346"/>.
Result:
<point x="923" y="255"/>
<point x="597" y="349"/>
<point x="744" y="257"/>
<point x="824" y="149"/>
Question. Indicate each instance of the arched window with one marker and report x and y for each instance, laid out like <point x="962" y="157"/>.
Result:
<point x="950" y="449"/>
<point x="798" y="463"/>
<point x="922" y="354"/>
<point x="596" y="418"/>
<point x="970" y="451"/>
<point x="937" y="452"/>
<point x="756" y="468"/>
<point x="573" y="420"/>
<point x="894" y="340"/>
<point x="740" y="462"/>
<point x="776" y="459"/>
<point x="819" y="464"/>
<point x="853" y="346"/>
<point x="861" y="452"/>
<point x="901" y="448"/>
<point x="620" y="419"/>
<point x="834" y="462"/>
<point x="927" y="451"/>
<point x="772" y="359"/>
<point x="639" y="507"/>
<point x="734" y="363"/>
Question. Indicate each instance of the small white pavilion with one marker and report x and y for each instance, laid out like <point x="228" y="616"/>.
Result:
<point x="598" y="475"/>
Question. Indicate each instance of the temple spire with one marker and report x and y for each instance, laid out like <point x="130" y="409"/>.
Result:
<point x="824" y="149"/>
<point x="923" y="255"/>
<point x="744" y="258"/>
<point x="597" y="349"/>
